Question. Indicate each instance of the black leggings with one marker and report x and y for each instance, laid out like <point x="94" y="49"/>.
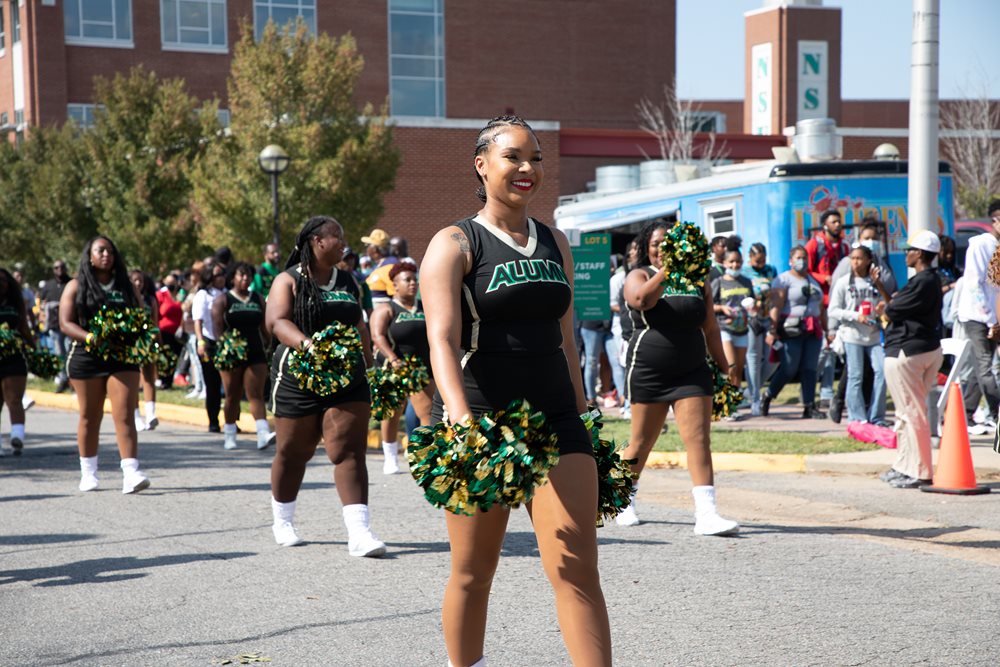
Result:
<point x="213" y="385"/>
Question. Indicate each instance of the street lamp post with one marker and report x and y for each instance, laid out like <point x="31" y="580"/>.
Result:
<point x="273" y="160"/>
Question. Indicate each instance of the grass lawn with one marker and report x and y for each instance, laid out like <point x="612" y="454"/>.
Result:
<point x="754" y="442"/>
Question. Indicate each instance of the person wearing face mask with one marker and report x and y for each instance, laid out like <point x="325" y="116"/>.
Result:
<point x="869" y="238"/>
<point x="761" y="275"/>
<point x="732" y="292"/>
<point x="798" y="320"/>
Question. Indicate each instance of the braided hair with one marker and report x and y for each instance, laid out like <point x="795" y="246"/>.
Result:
<point x="308" y="305"/>
<point x="486" y="137"/>
<point x="89" y="294"/>
<point x="642" y="241"/>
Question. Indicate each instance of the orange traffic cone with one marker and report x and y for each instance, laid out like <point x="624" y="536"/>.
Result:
<point x="955" y="473"/>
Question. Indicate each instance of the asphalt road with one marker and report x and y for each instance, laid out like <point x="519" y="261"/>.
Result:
<point x="829" y="570"/>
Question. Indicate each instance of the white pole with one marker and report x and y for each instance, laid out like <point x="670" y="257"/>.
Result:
<point x="922" y="206"/>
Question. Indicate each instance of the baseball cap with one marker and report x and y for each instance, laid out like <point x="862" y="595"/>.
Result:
<point x="925" y="240"/>
<point x="378" y="237"/>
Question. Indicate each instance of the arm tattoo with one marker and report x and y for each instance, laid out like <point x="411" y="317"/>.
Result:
<point x="463" y="243"/>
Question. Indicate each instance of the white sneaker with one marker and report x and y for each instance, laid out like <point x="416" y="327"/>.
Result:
<point x="285" y="535"/>
<point x="265" y="439"/>
<point x="88" y="482"/>
<point x="390" y="466"/>
<point x="27" y="402"/>
<point x="229" y="441"/>
<point x="140" y="423"/>
<point x="191" y="394"/>
<point x="133" y="482"/>
<point x="628" y="517"/>
<point x="990" y="424"/>
<point x="979" y="416"/>
<point x="713" y="524"/>
<point x="366" y="546"/>
<point x="977" y="429"/>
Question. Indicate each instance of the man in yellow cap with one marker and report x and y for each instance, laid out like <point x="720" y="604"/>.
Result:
<point x="377" y="248"/>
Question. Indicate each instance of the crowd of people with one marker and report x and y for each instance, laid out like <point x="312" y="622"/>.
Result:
<point x="487" y="341"/>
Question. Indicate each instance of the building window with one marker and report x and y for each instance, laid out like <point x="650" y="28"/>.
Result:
<point x="719" y="218"/>
<point x="96" y="21"/>
<point x="705" y="121"/>
<point x="196" y="25"/>
<point x="81" y="114"/>
<point x="15" y="23"/>
<point x="283" y="12"/>
<point x="416" y="57"/>
<point x="3" y="30"/>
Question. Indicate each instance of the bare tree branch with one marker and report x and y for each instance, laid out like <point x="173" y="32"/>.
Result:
<point x="674" y="124"/>
<point x="971" y="149"/>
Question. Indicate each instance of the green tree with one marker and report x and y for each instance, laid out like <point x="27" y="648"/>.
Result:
<point x="295" y="90"/>
<point x="146" y="136"/>
<point x="44" y="213"/>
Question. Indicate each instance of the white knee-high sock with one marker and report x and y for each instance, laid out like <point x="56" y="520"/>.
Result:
<point x="282" y="512"/>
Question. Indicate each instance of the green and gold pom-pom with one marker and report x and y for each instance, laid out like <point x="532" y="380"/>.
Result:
<point x="166" y="361"/>
<point x="11" y="342"/>
<point x="126" y="335"/>
<point x="615" y="479"/>
<point x="726" y="396"/>
<point x="391" y="385"/>
<point x="44" y="363"/>
<point x="686" y="260"/>
<point x="328" y="364"/>
<point x="499" y="459"/>
<point x="230" y="350"/>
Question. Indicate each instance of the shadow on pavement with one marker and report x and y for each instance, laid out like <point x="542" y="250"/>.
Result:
<point x="53" y="538"/>
<point x="928" y="535"/>
<point x="100" y="570"/>
<point x="39" y="496"/>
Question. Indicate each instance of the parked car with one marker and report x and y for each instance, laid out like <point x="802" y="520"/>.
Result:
<point x="965" y="230"/>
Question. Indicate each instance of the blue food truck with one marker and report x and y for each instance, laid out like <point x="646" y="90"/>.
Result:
<point x="776" y="204"/>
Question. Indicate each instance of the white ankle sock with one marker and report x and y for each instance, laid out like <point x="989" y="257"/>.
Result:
<point x="478" y="663"/>
<point x="704" y="500"/>
<point x="390" y="449"/>
<point x="150" y="410"/>
<point x="88" y="465"/>
<point x="129" y="465"/>
<point x="357" y="520"/>
<point x="229" y="428"/>
<point x="282" y="512"/>
<point x="17" y="431"/>
<point x="262" y="426"/>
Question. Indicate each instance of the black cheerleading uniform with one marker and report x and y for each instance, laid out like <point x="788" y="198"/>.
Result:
<point x="512" y="300"/>
<point x="407" y="334"/>
<point x="83" y="365"/>
<point x="246" y="317"/>
<point x="665" y="360"/>
<point x="13" y="365"/>
<point x="341" y="303"/>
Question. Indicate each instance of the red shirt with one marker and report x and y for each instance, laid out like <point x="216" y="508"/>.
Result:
<point x="823" y="257"/>
<point x="170" y="312"/>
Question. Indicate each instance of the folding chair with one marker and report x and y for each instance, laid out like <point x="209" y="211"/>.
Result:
<point x="956" y="348"/>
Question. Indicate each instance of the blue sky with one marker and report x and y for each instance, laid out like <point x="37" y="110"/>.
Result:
<point x="875" y="38"/>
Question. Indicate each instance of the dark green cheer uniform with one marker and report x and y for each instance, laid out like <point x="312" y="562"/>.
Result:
<point x="13" y="365"/>
<point x="407" y="334"/>
<point x="341" y="303"/>
<point x="246" y="317"/>
<point x="511" y="343"/>
<point x="81" y="364"/>
<point x="665" y="360"/>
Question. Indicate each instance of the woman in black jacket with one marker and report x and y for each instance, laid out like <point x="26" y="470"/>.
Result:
<point x="912" y="360"/>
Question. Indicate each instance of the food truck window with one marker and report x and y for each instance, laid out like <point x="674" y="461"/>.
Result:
<point x="720" y="220"/>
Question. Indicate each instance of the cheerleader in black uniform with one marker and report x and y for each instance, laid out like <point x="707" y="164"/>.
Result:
<point x="309" y="296"/>
<point x="145" y="291"/>
<point x="240" y="309"/>
<point x="398" y="329"/>
<point x="102" y="279"/>
<point x="13" y="368"/>
<point x="665" y="367"/>
<point x="497" y="289"/>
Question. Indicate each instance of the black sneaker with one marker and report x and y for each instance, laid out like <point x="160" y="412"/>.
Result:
<point x="765" y="402"/>
<point x="214" y="428"/>
<point x="812" y="412"/>
<point x="16" y="445"/>
<point x="907" y="482"/>
<point x="836" y="412"/>
<point x="62" y="384"/>
<point x="890" y="475"/>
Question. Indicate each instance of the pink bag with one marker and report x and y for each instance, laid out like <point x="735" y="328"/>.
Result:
<point x="865" y="432"/>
